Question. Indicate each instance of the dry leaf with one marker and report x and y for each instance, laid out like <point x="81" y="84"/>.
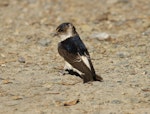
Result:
<point x="17" y="97"/>
<point x="71" y="102"/>
<point x="6" y="81"/>
<point x="146" y="90"/>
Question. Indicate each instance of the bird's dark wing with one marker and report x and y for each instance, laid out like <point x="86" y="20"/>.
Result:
<point x="75" y="53"/>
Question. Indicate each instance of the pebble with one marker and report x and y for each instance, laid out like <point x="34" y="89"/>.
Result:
<point x="146" y="33"/>
<point x="116" y="102"/>
<point x="122" y="54"/>
<point x="134" y="100"/>
<point x="119" y="81"/>
<point x="2" y="55"/>
<point x="146" y="95"/>
<point x="3" y="65"/>
<point x="44" y="42"/>
<point x="101" y="36"/>
<point x="21" y="60"/>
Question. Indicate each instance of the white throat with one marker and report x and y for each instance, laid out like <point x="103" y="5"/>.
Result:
<point x="65" y="36"/>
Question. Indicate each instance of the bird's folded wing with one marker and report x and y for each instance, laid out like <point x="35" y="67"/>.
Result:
<point x="78" y="62"/>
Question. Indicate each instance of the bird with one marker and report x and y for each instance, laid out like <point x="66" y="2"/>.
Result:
<point x="75" y="53"/>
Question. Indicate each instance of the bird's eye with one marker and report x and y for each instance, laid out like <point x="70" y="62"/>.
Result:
<point x="60" y="30"/>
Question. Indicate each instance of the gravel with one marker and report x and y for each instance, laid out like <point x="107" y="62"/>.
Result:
<point x="30" y="82"/>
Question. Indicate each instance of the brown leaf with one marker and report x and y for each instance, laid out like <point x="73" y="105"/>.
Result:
<point x="6" y="81"/>
<point x="16" y="97"/>
<point x="146" y="90"/>
<point x="70" y="103"/>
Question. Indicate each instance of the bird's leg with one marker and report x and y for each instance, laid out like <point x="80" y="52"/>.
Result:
<point x="63" y="72"/>
<point x="67" y="69"/>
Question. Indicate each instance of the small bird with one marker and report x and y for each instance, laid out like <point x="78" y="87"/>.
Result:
<point x="75" y="53"/>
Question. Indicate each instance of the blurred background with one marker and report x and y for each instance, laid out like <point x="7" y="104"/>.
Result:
<point x="26" y="24"/>
<point x="117" y="35"/>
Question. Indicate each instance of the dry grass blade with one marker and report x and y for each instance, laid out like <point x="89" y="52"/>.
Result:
<point x="7" y="61"/>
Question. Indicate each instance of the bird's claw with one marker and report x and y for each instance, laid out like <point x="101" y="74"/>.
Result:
<point x="63" y="72"/>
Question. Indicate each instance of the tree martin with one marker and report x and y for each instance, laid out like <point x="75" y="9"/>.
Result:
<point x="75" y="53"/>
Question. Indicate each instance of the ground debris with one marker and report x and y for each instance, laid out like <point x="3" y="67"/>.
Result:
<point x="70" y="103"/>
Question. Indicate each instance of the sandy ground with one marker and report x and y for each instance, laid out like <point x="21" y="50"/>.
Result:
<point x="117" y="34"/>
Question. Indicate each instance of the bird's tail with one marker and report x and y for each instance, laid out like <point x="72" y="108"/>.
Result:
<point x="88" y="78"/>
<point x="98" y="78"/>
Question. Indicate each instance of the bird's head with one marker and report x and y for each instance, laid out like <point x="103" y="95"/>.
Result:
<point x="65" y="30"/>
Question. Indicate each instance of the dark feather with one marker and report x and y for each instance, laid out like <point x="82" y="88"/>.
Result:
<point x="71" y="49"/>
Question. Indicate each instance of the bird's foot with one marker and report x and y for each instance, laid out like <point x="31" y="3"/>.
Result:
<point x="63" y="72"/>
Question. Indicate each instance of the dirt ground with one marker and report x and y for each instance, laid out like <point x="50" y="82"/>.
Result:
<point x="117" y="35"/>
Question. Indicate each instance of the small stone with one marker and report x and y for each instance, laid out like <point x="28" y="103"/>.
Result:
<point x="21" y="59"/>
<point x="146" y="95"/>
<point x="101" y="36"/>
<point x="134" y="100"/>
<point x="3" y="65"/>
<point x="119" y="81"/>
<point x="123" y="93"/>
<point x="146" y="33"/>
<point x="2" y="55"/>
<point x="44" y="42"/>
<point x="123" y="54"/>
<point x="132" y="72"/>
<point x="145" y="72"/>
<point x="116" y="102"/>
